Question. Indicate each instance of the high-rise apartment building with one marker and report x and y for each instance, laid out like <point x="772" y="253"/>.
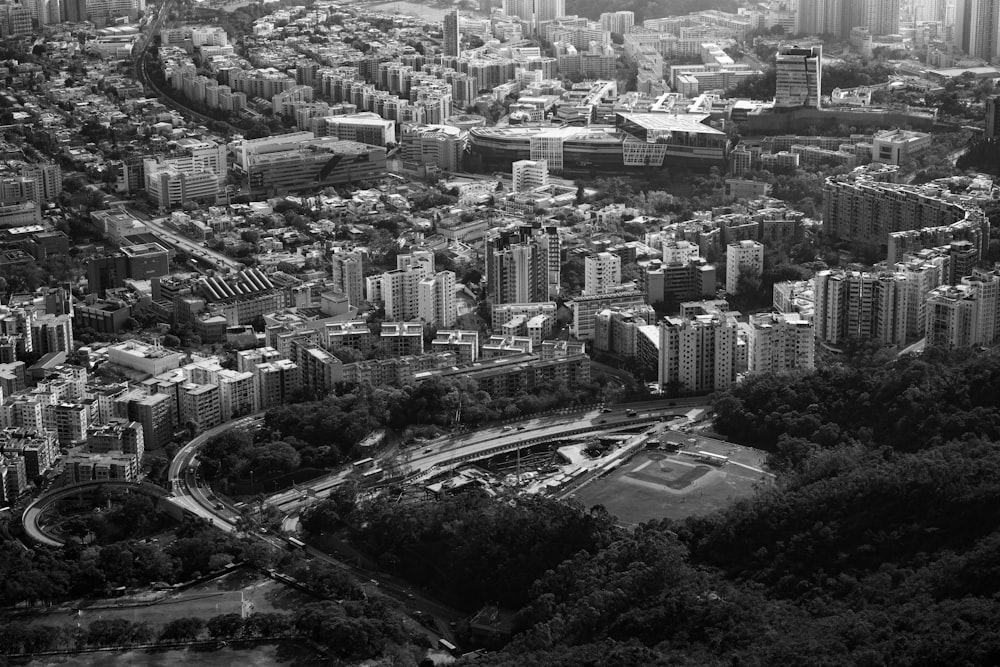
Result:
<point x="348" y="276"/>
<point x="451" y="43"/>
<point x="977" y="24"/>
<point x="964" y="315"/>
<point x="52" y="333"/>
<point x="780" y="342"/>
<point x="602" y="273"/>
<point x="399" y="290"/>
<point x="617" y="22"/>
<point x="523" y="264"/>
<point x="817" y="17"/>
<point x="534" y="12"/>
<point x="48" y="180"/>
<point x="855" y="305"/>
<point x="799" y="76"/>
<point x="881" y="17"/>
<point x="698" y="354"/>
<point x="436" y="302"/>
<point x="743" y="258"/>
<point x="993" y="117"/>
<point x="75" y="11"/>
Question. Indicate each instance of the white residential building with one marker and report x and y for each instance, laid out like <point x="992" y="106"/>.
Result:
<point x="743" y="257"/>
<point x="436" y="303"/>
<point x="780" y="342"/>
<point x="529" y="174"/>
<point x="602" y="273"/>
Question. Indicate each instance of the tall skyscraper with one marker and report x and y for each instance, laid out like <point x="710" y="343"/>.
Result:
<point x="881" y="17"/>
<point x="817" y="17"/>
<point x="452" y="34"/>
<point x="977" y="24"/>
<point x="799" y="74"/>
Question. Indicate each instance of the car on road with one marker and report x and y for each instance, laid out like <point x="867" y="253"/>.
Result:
<point x="602" y="421"/>
<point x="520" y="428"/>
<point x="428" y="450"/>
<point x="220" y="506"/>
<point x="505" y="429"/>
<point x="606" y="410"/>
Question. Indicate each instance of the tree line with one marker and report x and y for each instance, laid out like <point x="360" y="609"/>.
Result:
<point x="354" y="630"/>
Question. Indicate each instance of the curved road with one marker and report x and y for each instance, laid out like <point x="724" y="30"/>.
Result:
<point x="35" y="510"/>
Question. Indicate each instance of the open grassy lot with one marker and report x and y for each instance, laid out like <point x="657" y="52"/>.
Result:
<point x="219" y="596"/>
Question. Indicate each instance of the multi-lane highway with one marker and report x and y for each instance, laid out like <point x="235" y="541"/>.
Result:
<point x="190" y="246"/>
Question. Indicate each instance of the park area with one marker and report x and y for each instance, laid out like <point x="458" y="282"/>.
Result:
<point x="657" y="484"/>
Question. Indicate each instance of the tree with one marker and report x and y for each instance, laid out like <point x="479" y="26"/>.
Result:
<point x="227" y="626"/>
<point x="182" y="629"/>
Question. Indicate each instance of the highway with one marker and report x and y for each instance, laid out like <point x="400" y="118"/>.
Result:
<point x="181" y="242"/>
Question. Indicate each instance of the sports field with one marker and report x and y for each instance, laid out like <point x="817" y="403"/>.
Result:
<point x="219" y="596"/>
<point x="659" y="485"/>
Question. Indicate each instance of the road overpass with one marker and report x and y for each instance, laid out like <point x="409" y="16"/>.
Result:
<point x="34" y="512"/>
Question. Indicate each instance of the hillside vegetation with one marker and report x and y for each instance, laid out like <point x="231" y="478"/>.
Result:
<point x="880" y="543"/>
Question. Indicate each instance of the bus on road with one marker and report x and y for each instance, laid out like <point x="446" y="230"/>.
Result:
<point x="296" y="543"/>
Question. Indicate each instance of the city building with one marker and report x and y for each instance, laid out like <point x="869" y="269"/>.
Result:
<point x="964" y="315"/>
<point x="441" y="146"/>
<point x="618" y="22"/>
<point x="436" y="301"/>
<point x="780" y="342"/>
<point x="743" y="258"/>
<point x="399" y="339"/>
<point x="84" y="467"/>
<point x="52" y="333"/>
<point x="586" y="307"/>
<point x="523" y="264"/>
<point x="301" y="161"/>
<point x="463" y="344"/>
<point x="799" y="77"/>
<point x="602" y="273"/>
<point x="993" y="117"/>
<point x="348" y="276"/>
<point x="858" y="306"/>
<point x="118" y="435"/>
<point x="366" y="128"/>
<point x="698" y="351"/>
<point x="452" y="36"/>
<point x="529" y="175"/>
